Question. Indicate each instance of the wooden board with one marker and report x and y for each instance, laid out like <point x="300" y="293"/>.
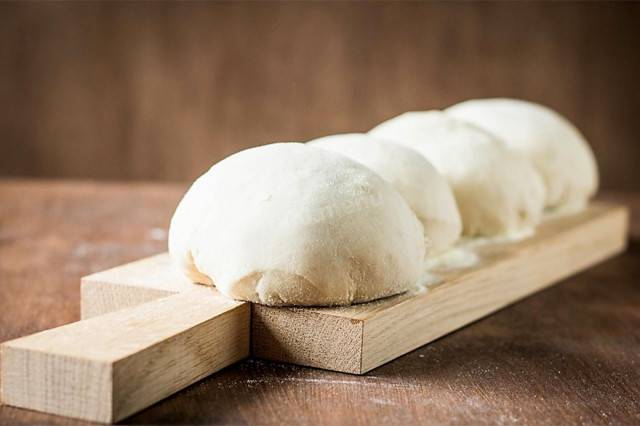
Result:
<point x="111" y="366"/>
<point x="131" y="284"/>
<point x="359" y="338"/>
<point x="369" y="335"/>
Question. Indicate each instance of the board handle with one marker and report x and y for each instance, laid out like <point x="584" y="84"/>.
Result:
<point x="108" y="367"/>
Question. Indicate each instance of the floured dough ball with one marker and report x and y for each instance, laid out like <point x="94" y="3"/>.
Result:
<point x="425" y="190"/>
<point x="289" y="224"/>
<point x="497" y="192"/>
<point x="556" y="148"/>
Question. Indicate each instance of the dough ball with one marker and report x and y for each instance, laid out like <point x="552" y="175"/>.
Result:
<point x="424" y="189"/>
<point x="497" y="192"/>
<point x="556" y="148"/>
<point x="289" y="224"/>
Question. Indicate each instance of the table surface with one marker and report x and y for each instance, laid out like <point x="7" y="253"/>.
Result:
<point x="570" y="354"/>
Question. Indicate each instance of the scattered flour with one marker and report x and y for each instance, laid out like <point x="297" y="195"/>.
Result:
<point x="427" y="279"/>
<point x="472" y="242"/>
<point x="456" y="258"/>
<point x="361" y="381"/>
<point x="564" y="210"/>
<point x="158" y="234"/>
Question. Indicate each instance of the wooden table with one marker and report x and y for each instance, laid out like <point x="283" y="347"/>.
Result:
<point x="569" y="354"/>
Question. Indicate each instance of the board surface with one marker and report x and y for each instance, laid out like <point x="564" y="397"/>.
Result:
<point x="111" y="366"/>
<point x="358" y="338"/>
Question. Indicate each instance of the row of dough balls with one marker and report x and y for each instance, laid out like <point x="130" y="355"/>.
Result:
<point x="351" y="218"/>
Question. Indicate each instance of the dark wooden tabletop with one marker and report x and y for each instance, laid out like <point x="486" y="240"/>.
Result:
<point x="570" y="354"/>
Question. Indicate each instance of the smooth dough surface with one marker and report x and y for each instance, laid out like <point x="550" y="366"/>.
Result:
<point x="554" y="145"/>
<point x="288" y="224"/>
<point x="426" y="191"/>
<point x="497" y="192"/>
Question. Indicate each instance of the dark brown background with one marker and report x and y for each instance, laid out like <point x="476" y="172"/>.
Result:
<point x="163" y="90"/>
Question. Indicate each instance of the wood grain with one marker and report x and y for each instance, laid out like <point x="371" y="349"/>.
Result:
<point x="506" y="274"/>
<point x="162" y="90"/>
<point x="568" y="354"/>
<point x="300" y="336"/>
<point x="131" y="284"/>
<point x="111" y="366"/>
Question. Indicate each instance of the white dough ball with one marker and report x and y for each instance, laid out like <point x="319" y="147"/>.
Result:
<point x="497" y="192"/>
<point x="554" y="145"/>
<point x="425" y="190"/>
<point x="289" y="224"/>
